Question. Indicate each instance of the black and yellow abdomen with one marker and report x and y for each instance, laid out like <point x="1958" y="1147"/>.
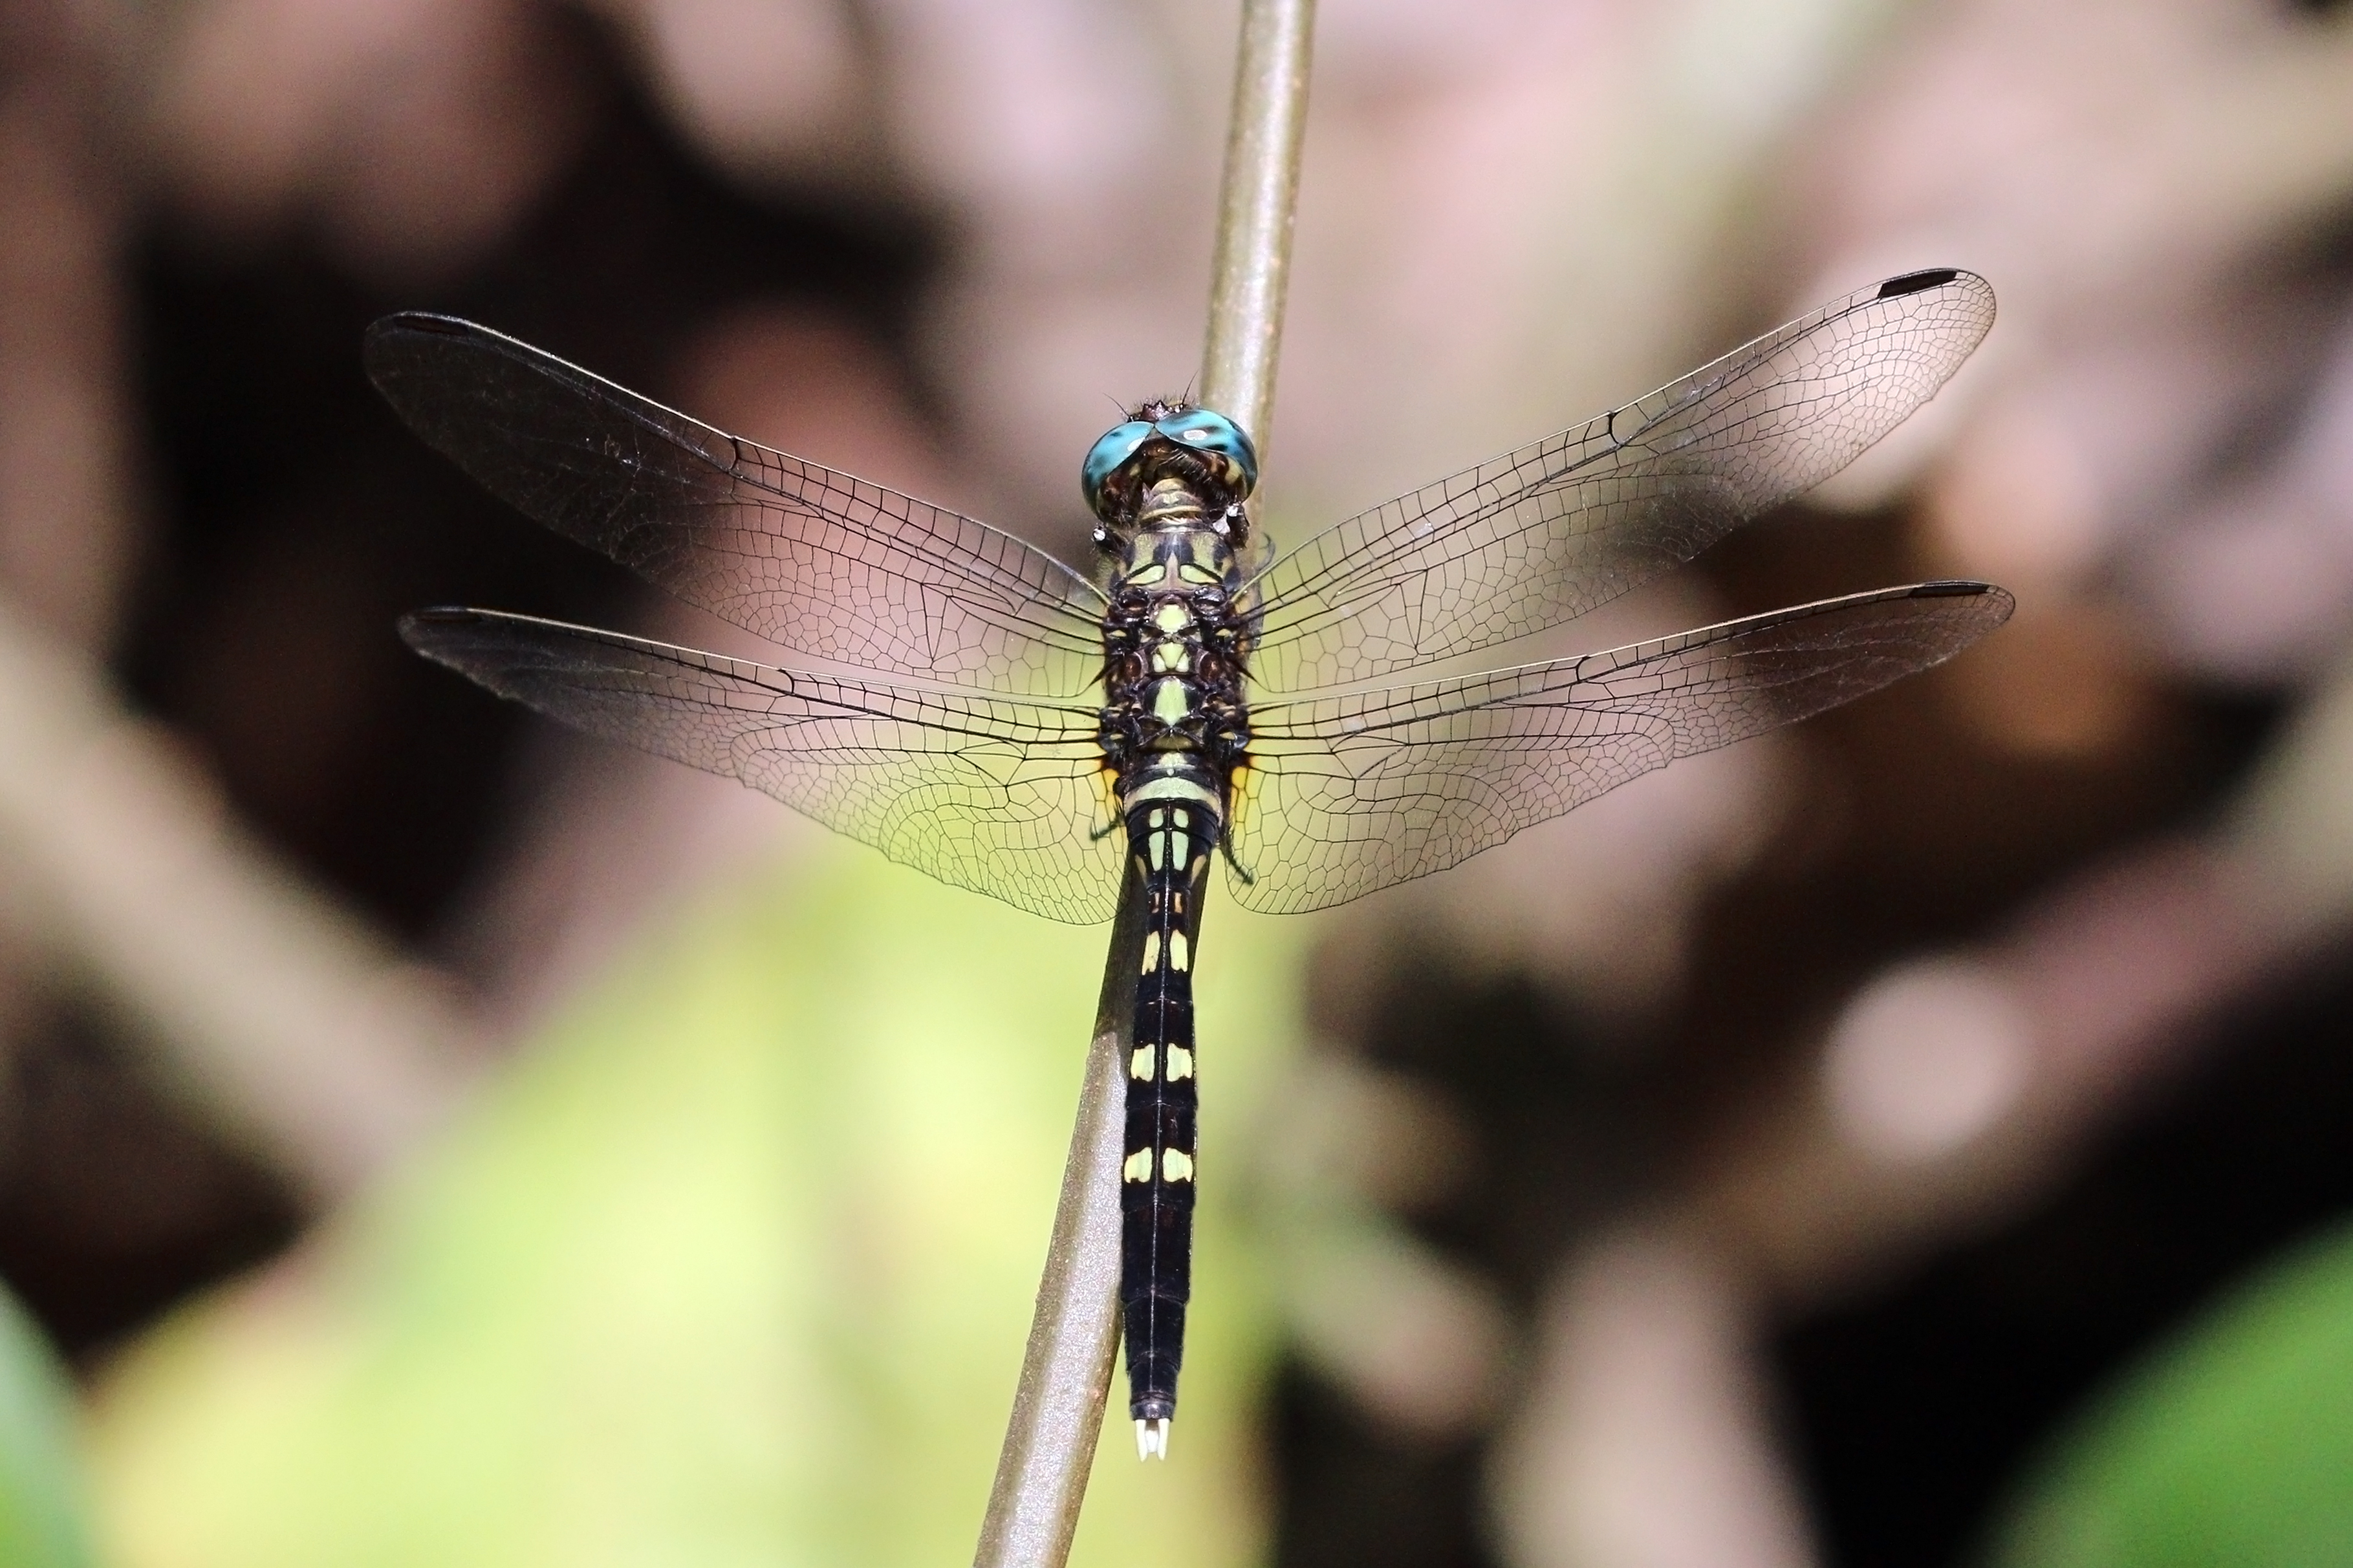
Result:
<point x="1172" y="839"/>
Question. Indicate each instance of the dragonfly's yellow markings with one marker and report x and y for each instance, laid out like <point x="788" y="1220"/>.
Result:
<point x="1157" y="845"/>
<point x="1180" y="1063"/>
<point x="1170" y="787"/>
<point x="1138" y="1167"/>
<point x="1179" y="955"/>
<point x="1168" y="657"/>
<point x="1188" y="573"/>
<point x="1139" y="1065"/>
<point x="1172" y="618"/>
<point x="1176" y="1165"/>
<point x="1151" y="952"/>
<point x="1148" y="574"/>
<point x="1170" y="701"/>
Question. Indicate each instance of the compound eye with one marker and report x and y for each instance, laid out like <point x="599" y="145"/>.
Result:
<point x="1106" y="457"/>
<point x="1212" y="435"/>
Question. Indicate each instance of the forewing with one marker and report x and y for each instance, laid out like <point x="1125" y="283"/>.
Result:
<point x="1541" y="535"/>
<point x="1002" y="797"/>
<point x="1350" y="794"/>
<point x="806" y="557"/>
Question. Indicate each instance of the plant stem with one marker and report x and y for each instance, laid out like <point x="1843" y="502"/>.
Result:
<point x="1260" y="194"/>
<point x="1050" y="1443"/>
<point x="1066" y="1372"/>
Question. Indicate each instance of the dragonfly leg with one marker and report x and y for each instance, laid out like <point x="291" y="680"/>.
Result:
<point x="1226" y="848"/>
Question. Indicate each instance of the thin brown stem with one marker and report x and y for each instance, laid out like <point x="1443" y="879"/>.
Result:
<point x="1260" y="194"/>
<point x="1066" y="1372"/>
<point x="1058" y="1408"/>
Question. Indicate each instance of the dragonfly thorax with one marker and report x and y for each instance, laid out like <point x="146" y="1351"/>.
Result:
<point x="1174" y="650"/>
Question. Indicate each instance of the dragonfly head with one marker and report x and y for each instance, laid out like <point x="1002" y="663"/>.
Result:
<point x="1163" y="439"/>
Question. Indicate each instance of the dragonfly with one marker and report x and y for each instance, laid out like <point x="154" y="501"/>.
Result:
<point x="1085" y="743"/>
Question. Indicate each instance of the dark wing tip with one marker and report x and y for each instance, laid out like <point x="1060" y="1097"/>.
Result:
<point x="389" y="341"/>
<point x="421" y="321"/>
<point x="1994" y="607"/>
<point x="1917" y="282"/>
<point x="418" y="627"/>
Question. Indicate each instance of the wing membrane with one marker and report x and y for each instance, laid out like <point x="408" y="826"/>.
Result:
<point x="1541" y="535"/>
<point x="996" y="795"/>
<point x="806" y="557"/>
<point x="1350" y="794"/>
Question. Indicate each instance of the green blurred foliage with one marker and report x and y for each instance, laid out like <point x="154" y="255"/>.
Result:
<point x="734" y="1267"/>
<point x="2233" y="1445"/>
<point x="40" y="1490"/>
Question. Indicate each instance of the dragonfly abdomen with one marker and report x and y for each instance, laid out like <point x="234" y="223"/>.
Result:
<point x="1171" y="836"/>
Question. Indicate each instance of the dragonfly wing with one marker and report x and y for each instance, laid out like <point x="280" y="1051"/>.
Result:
<point x="1541" y="535"/>
<point x="1003" y="797"/>
<point x="806" y="557"/>
<point x="1350" y="794"/>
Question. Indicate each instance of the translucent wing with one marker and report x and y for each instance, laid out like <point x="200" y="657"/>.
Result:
<point x="1349" y="794"/>
<point x="806" y="557"/>
<point x="1002" y="797"/>
<point x="1538" y="536"/>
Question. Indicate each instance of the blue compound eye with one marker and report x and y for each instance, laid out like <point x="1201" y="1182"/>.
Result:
<point x="1213" y="435"/>
<point x="1103" y="459"/>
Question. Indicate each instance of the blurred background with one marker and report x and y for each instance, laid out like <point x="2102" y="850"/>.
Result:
<point x="1917" y="1137"/>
